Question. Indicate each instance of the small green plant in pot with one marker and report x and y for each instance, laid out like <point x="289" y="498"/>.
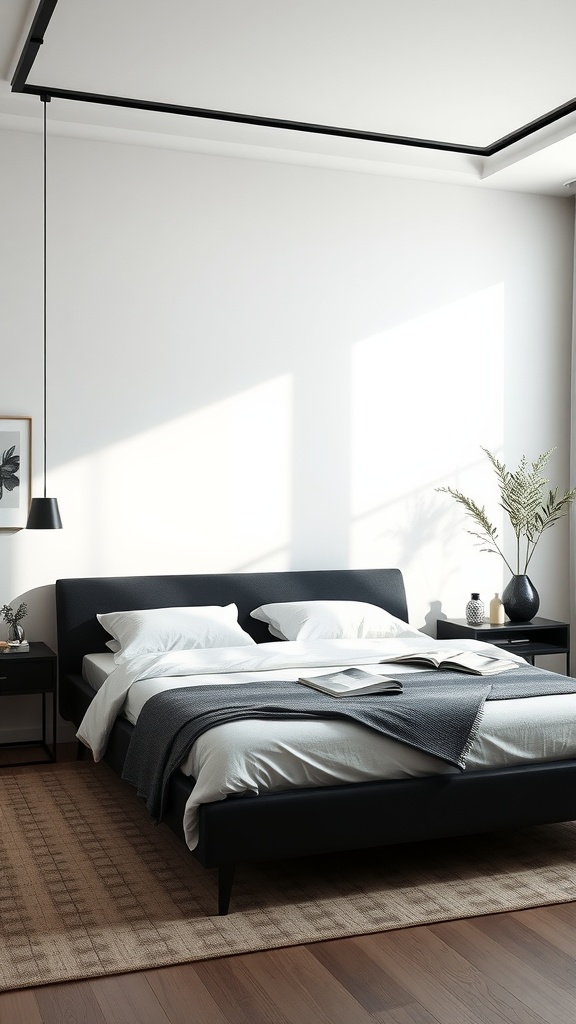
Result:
<point x="532" y="508"/>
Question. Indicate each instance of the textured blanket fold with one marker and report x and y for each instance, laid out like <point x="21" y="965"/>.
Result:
<point x="438" y="713"/>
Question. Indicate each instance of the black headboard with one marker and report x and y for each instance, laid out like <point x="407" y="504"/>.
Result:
<point x="79" y="600"/>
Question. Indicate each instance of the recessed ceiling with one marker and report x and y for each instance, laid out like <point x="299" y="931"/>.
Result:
<point x="478" y="93"/>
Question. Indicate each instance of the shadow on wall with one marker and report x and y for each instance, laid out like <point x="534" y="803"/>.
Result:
<point x="431" y="618"/>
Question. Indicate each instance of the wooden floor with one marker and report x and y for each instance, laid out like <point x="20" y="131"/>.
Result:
<point x="518" y="968"/>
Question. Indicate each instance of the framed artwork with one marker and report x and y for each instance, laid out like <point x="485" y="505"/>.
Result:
<point x="15" y="471"/>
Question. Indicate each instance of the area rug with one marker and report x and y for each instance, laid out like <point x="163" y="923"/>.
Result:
<point x="90" y="886"/>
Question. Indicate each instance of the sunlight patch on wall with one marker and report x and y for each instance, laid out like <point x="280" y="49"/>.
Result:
<point x="205" y="492"/>
<point x="426" y="396"/>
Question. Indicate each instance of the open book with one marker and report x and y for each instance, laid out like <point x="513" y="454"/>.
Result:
<point x="459" y="661"/>
<point x="350" y="681"/>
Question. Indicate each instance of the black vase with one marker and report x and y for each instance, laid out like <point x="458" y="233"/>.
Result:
<point x="520" y="599"/>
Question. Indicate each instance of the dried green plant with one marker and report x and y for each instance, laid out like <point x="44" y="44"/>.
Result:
<point x="11" y="617"/>
<point x="530" y="507"/>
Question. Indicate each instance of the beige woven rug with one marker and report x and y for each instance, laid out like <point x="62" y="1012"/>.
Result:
<point x="90" y="886"/>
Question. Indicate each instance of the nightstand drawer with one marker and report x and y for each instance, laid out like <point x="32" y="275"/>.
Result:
<point x="29" y="676"/>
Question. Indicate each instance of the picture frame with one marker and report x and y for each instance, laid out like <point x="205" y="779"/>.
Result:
<point x="15" y="471"/>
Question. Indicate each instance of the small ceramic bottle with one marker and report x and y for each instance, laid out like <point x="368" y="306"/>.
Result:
<point x="475" y="611"/>
<point x="497" y="615"/>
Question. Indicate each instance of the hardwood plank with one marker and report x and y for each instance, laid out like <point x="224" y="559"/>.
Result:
<point x="238" y="1001"/>
<point x="413" y="1013"/>
<point x="555" y="968"/>
<point x="491" y="951"/>
<point x="561" y="911"/>
<point x="556" y="924"/>
<point x="20" y="1007"/>
<point x="72" y="1001"/>
<point x="128" y="999"/>
<point x="183" y="996"/>
<point x="444" y="982"/>
<point x="367" y="981"/>
<point x="299" y="988"/>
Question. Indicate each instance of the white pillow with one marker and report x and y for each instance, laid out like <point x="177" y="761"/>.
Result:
<point x="331" y="620"/>
<point x="157" y="630"/>
<point x="113" y="645"/>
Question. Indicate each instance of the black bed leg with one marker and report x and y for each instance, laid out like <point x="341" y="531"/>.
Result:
<point x="80" y="751"/>
<point x="225" y="882"/>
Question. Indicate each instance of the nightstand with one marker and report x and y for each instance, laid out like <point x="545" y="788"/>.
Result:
<point x="33" y="671"/>
<point x="528" y="639"/>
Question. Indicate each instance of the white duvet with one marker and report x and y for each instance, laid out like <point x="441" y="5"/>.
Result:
<point x="253" y="756"/>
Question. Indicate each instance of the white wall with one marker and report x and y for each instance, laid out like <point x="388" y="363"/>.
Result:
<point x="261" y="366"/>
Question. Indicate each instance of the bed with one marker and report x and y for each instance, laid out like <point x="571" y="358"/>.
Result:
<point x="311" y="819"/>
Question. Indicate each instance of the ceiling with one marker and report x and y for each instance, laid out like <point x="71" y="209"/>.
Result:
<point x="449" y="90"/>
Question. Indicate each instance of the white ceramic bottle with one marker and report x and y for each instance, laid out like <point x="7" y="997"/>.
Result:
<point x="497" y="615"/>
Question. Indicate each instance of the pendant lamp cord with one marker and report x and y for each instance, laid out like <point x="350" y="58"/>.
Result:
<point x="45" y="100"/>
<point x="43" y="513"/>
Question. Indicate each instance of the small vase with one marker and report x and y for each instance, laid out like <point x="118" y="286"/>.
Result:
<point x="475" y="611"/>
<point x="16" y="634"/>
<point x="497" y="613"/>
<point x="520" y="599"/>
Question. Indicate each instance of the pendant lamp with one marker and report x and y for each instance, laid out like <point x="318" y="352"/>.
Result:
<point x="44" y="513"/>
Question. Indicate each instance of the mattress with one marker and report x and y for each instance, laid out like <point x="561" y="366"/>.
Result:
<point x="254" y="757"/>
<point x="96" y="668"/>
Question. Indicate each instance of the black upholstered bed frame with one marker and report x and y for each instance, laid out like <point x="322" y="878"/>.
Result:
<point x="301" y="822"/>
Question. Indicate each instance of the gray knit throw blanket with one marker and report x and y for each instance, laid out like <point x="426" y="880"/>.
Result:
<point x="438" y="712"/>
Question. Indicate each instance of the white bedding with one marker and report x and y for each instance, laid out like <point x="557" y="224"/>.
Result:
<point x="96" y="668"/>
<point x="250" y="757"/>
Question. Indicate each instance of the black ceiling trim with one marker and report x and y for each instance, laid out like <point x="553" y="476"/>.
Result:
<point x="225" y="115"/>
<point x="529" y="129"/>
<point x="33" y="43"/>
<point x="35" y="39"/>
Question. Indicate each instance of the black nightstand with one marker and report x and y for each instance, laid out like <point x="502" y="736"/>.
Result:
<point x="33" y="671"/>
<point x="528" y="639"/>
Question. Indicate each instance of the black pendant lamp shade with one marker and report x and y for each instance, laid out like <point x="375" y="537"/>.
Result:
<point x="44" y="514"/>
